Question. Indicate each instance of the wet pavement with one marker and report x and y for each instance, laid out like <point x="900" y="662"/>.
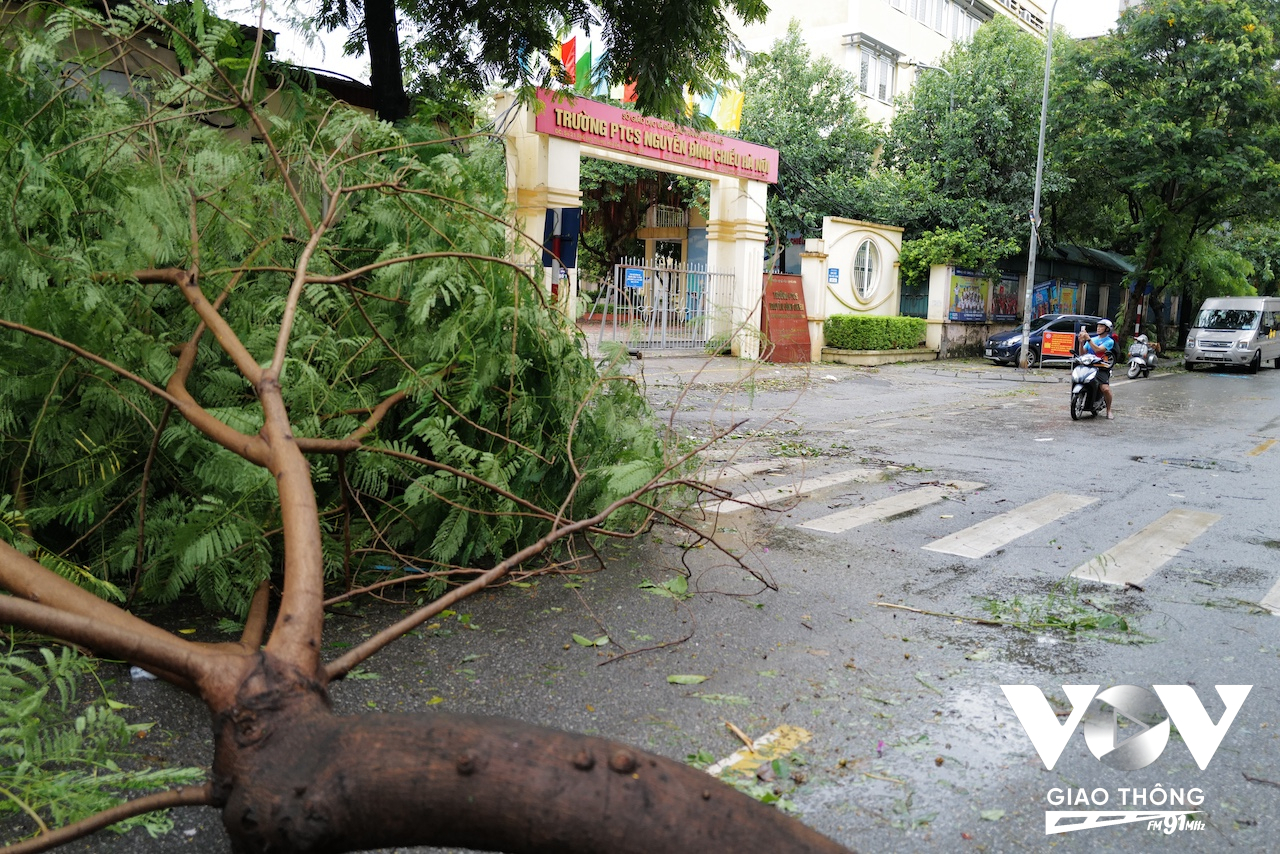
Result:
<point x="883" y="651"/>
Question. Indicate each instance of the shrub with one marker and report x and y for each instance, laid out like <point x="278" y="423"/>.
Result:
<point x="860" y="332"/>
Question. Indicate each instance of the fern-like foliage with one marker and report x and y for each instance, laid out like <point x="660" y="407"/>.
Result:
<point x="101" y="183"/>
<point x="59" y="752"/>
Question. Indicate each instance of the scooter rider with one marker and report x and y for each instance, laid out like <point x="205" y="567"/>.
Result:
<point x="1101" y="345"/>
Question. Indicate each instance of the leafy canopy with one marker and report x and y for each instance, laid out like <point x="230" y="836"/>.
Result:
<point x="1177" y="116"/>
<point x="808" y="109"/>
<point x="969" y="135"/>
<point x="503" y="424"/>
<point x="661" y="46"/>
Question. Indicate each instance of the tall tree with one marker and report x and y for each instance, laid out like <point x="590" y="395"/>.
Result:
<point x="969" y="131"/>
<point x="808" y="109"/>
<point x="315" y="304"/>
<point x="1176" y="114"/>
<point x="661" y="46"/>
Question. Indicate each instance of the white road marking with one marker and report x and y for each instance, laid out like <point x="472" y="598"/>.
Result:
<point x="741" y="471"/>
<point x="767" y="496"/>
<point x="772" y="745"/>
<point x="1272" y="600"/>
<point x="905" y="502"/>
<point x="987" y="536"/>
<point x="1135" y="559"/>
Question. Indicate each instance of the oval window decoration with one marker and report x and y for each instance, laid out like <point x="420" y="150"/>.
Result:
<point x="866" y="269"/>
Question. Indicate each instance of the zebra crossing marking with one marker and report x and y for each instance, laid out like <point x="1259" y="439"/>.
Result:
<point x="1272" y="600"/>
<point x="904" y="502"/>
<point x="777" y="494"/>
<point x="1133" y="560"/>
<point x="741" y="471"/>
<point x="989" y="535"/>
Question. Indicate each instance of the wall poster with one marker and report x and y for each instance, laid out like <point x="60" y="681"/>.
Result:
<point x="968" y="298"/>
<point x="1055" y="297"/>
<point x="1004" y="302"/>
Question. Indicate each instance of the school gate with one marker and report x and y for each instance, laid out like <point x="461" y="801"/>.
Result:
<point x="544" y="150"/>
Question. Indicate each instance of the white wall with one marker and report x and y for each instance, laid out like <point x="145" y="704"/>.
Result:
<point x="827" y="267"/>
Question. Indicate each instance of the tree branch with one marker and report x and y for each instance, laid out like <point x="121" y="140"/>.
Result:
<point x="92" y="357"/>
<point x="187" y="796"/>
<point x="300" y="621"/>
<point x="190" y="290"/>
<point x="340" y="666"/>
<point x="167" y="655"/>
<point x="27" y="580"/>
<point x="357" y="272"/>
<point x="255" y="625"/>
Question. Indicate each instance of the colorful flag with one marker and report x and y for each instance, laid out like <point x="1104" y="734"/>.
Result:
<point x="569" y="59"/>
<point x="582" y="70"/>
<point x="727" y="113"/>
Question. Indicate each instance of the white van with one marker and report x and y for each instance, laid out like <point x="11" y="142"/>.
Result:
<point x="1241" y="331"/>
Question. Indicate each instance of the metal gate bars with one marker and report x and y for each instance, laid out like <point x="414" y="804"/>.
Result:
<point x="660" y="304"/>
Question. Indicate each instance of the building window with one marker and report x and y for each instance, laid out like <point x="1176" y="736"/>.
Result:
<point x="954" y="19"/>
<point x="876" y="75"/>
<point x="877" y="67"/>
<point x="865" y="270"/>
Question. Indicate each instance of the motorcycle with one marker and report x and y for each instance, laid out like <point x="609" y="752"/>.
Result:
<point x="1142" y="357"/>
<point x="1086" y="391"/>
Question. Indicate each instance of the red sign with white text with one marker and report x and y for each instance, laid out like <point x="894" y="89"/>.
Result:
<point x="784" y="320"/>
<point x="611" y="127"/>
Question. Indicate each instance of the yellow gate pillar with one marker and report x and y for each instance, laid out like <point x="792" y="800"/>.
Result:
<point x="736" y="234"/>
<point x="542" y="172"/>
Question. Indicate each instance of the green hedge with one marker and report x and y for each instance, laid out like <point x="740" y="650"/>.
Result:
<point x="863" y="332"/>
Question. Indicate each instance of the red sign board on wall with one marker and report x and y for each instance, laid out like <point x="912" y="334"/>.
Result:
<point x="784" y="320"/>
<point x="614" y="128"/>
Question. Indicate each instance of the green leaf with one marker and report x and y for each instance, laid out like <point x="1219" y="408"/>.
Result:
<point x="686" y="679"/>
<point x="674" y="588"/>
<point x="992" y="815"/>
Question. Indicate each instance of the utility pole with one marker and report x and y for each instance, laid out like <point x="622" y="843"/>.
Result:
<point x="1035" y="204"/>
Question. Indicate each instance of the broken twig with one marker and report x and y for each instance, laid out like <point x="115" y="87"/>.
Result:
<point x="1260" y="780"/>
<point x="751" y="745"/>
<point x="979" y="620"/>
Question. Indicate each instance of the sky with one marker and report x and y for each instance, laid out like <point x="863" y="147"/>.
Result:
<point x="1081" y="18"/>
<point x="1084" y="18"/>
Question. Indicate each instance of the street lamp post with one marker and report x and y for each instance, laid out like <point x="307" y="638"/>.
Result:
<point x="1024" y="357"/>
<point x="951" y="107"/>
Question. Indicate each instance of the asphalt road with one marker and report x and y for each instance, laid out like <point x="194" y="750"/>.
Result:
<point x="898" y="736"/>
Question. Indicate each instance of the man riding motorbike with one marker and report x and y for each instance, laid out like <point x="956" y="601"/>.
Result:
<point x="1102" y="345"/>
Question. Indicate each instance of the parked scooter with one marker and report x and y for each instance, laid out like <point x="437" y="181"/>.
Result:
<point x="1086" y="391"/>
<point x="1142" y="357"/>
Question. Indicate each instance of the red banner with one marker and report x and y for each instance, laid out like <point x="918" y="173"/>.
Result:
<point x="611" y="127"/>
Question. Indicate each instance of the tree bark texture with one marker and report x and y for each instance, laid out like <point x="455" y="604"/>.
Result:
<point x="386" y="75"/>
<point x="296" y="778"/>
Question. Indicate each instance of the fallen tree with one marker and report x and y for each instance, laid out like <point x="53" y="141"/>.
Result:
<point x="308" y="265"/>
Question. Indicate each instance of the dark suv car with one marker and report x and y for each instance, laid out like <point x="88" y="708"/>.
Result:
<point x="1004" y="348"/>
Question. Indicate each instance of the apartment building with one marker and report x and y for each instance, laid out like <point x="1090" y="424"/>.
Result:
<point x="886" y="43"/>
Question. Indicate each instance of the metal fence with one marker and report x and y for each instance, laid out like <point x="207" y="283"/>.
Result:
<point x="914" y="304"/>
<point x="658" y="304"/>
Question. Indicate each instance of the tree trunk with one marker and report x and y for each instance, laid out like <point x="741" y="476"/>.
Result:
<point x="296" y="778"/>
<point x="386" y="74"/>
